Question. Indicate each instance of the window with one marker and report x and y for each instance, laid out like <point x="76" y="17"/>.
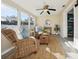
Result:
<point x="8" y="15"/>
<point x="47" y="23"/>
<point x="24" y="19"/>
<point x="32" y="21"/>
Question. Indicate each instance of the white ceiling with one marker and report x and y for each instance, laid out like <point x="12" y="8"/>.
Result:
<point x="32" y="5"/>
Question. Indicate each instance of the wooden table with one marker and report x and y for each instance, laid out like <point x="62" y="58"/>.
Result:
<point x="44" y="39"/>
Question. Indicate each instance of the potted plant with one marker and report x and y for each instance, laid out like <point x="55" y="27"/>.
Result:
<point x="56" y="29"/>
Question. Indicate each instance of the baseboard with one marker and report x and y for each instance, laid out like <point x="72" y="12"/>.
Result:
<point x="7" y="52"/>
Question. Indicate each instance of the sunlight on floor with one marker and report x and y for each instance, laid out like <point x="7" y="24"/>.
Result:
<point x="57" y="55"/>
<point x="67" y="44"/>
<point x="73" y="54"/>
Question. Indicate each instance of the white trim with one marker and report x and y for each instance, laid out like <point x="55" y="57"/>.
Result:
<point x="3" y="53"/>
<point x="19" y="17"/>
<point x="70" y="6"/>
<point x="64" y="28"/>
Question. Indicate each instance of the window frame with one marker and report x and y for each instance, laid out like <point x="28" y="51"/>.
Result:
<point x="13" y="20"/>
<point x="18" y="13"/>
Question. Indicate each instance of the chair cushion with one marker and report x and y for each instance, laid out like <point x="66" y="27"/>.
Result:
<point x="24" y="33"/>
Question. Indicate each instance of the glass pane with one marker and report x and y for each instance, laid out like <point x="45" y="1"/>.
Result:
<point x="32" y="22"/>
<point x="24" y="19"/>
<point x="8" y="15"/>
<point x="24" y="25"/>
<point x="27" y="24"/>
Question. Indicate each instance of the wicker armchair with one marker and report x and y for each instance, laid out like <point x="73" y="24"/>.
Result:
<point x="23" y="47"/>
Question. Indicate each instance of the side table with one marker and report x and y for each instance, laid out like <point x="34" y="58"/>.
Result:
<point x="44" y="39"/>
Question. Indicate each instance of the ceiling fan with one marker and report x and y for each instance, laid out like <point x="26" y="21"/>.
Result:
<point x="47" y="9"/>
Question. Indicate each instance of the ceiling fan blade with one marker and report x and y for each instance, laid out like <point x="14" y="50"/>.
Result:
<point x="52" y="9"/>
<point x="39" y="9"/>
<point x="41" y="12"/>
<point x="48" y="12"/>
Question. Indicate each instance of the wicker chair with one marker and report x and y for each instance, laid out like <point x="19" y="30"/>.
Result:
<point x="24" y="47"/>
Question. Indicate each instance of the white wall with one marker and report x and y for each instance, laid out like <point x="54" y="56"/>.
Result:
<point x="63" y="19"/>
<point x="61" y="25"/>
<point x="76" y="27"/>
<point x="53" y="20"/>
<point x="5" y="44"/>
<point x="76" y="22"/>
